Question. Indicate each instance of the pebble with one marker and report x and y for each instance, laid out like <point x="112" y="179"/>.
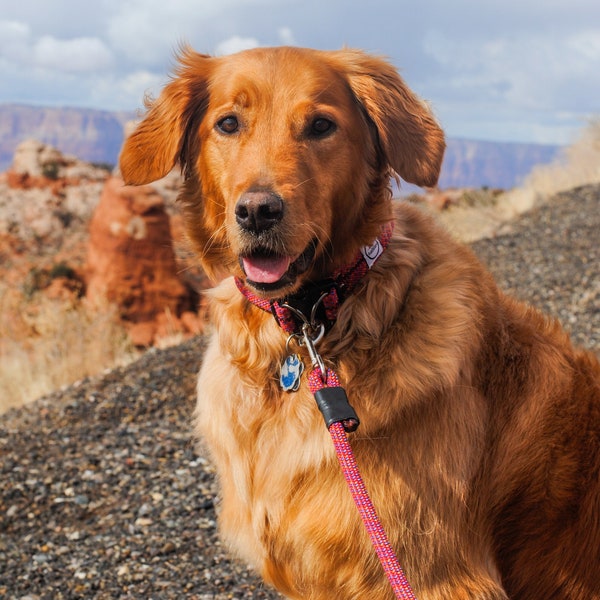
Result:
<point x="109" y="499"/>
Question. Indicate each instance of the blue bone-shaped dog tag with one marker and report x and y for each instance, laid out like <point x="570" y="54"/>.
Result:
<point x="290" y="372"/>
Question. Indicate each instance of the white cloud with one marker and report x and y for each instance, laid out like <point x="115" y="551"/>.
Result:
<point x="528" y="70"/>
<point x="14" y="41"/>
<point x="147" y="31"/>
<point x="286" y="36"/>
<point x="79" y="54"/>
<point x="19" y="46"/>
<point x="236" y="44"/>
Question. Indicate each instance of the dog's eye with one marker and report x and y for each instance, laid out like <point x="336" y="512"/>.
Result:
<point x="228" y="125"/>
<point x="321" y="127"/>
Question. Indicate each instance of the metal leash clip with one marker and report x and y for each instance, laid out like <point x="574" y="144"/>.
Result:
<point x="311" y="334"/>
<point x="311" y="346"/>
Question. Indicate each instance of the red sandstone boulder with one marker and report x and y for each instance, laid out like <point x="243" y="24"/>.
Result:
<point x="131" y="261"/>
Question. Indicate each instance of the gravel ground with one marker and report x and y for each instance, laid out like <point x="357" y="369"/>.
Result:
<point x="550" y="257"/>
<point x="103" y="496"/>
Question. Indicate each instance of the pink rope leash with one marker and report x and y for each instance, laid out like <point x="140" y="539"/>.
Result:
<point x="360" y="495"/>
<point x="331" y="397"/>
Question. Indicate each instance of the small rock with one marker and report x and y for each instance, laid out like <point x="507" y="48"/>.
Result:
<point x="168" y="548"/>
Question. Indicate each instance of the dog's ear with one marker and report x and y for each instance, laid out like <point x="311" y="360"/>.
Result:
<point x="409" y="136"/>
<point x="165" y="134"/>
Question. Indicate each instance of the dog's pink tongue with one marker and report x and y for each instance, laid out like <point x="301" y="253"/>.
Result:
<point x="266" y="269"/>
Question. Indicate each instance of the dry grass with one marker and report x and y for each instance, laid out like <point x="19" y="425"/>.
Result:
<point x="46" y="344"/>
<point x="578" y="164"/>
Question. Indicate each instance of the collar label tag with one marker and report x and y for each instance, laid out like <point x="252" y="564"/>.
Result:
<point x="372" y="253"/>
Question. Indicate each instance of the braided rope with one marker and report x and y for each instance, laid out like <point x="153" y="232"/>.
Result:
<point x="360" y="495"/>
<point x="347" y="278"/>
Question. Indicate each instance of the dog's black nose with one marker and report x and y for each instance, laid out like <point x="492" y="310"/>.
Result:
<point x="258" y="211"/>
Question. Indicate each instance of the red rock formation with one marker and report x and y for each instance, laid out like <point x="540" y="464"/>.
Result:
<point x="131" y="261"/>
<point x="25" y="181"/>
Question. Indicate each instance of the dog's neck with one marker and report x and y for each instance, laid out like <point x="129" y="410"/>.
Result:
<point x="319" y="301"/>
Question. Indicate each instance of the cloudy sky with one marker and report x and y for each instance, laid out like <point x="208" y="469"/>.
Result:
<point x="508" y="70"/>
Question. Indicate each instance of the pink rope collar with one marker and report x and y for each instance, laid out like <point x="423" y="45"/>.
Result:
<point x="337" y="289"/>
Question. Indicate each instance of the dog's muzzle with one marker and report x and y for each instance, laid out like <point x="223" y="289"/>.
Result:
<point x="265" y="265"/>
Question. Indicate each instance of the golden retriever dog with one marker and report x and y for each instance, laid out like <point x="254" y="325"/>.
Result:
<point x="479" y="439"/>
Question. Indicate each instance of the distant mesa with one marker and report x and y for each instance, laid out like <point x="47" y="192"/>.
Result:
<point x="96" y="136"/>
<point x="91" y="135"/>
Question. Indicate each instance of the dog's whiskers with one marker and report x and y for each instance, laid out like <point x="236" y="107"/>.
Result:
<point x="323" y="237"/>
<point x="303" y="182"/>
<point x="212" y="240"/>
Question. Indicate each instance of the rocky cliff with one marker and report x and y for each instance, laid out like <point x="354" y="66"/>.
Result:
<point x="62" y="216"/>
<point x="470" y="163"/>
<point x="96" y="136"/>
<point x="131" y="262"/>
<point x="92" y="135"/>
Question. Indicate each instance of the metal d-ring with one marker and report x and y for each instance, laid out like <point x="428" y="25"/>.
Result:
<point x="292" y="336"/>
<point x="313" y="313"/>
<point x="305" y="339"/>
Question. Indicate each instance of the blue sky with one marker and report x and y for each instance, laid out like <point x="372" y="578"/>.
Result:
<point x="505" y="70"/>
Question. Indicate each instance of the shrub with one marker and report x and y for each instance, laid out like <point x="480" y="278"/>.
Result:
<point x="62" y="269"/>
<point x="51" y="170"/>
<point x="48" y="343"/>
<point x="578" y="164"/>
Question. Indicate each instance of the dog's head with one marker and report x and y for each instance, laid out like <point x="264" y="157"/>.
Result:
<point x="287" y="155"/>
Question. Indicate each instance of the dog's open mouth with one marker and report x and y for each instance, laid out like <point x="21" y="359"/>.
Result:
<point x="266" y="270"/>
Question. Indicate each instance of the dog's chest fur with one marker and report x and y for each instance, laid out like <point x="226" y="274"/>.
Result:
<point x="285" y="506"/>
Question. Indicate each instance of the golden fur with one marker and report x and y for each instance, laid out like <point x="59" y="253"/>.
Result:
<point x="480" y="432"/>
